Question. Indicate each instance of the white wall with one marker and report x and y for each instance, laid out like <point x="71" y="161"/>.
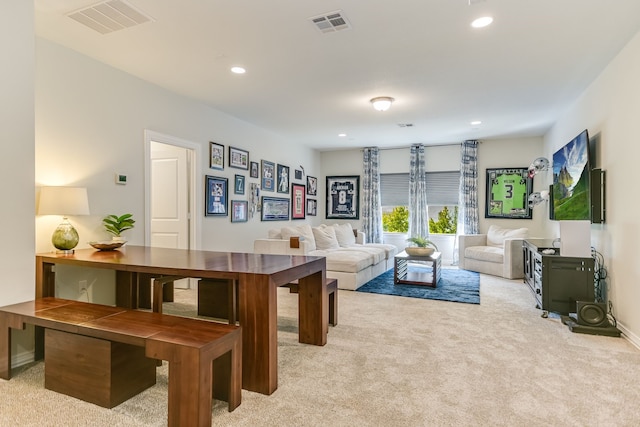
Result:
<point x="16" y="162"/>
<point x="491" y="154"/>
<point x="610" y="108"/>
<point x="90" y="122"/>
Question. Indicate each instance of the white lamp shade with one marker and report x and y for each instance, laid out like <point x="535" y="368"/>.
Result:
<point x="63" y="201"/>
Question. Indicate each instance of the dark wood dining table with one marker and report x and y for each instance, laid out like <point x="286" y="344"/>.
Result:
<point x="257" y="276"/>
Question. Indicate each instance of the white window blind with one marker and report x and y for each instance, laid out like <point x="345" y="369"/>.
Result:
<point x="442" y="188"/>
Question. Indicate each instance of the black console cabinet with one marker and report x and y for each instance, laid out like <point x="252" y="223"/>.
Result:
<point x="556" y="281"/>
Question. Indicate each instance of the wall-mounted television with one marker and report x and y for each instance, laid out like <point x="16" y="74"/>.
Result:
<point x="571" y="169"/>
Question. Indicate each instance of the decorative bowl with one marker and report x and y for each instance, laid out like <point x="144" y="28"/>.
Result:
<point x="108" y="245"/>
<point x="417" y="251"/>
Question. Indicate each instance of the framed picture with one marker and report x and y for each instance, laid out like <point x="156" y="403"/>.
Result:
<point x="508" y="191"/>
<point x="275" y="209"/>
<point x="297" y="201"/>
<point x="298" y="174"/>
<point x="283" y="179"/>
<point x="312" y="185"/>
<point x="215" y="196"/>
<point x="343" y="196"/>
<point x="239" y="210"/>
<point x="268" y="175"/>
<point x="238" y="158"/>
<point x="253" y="171"/>
<point x="238" y="187"/>
<point x="216" y="156"/>
<point x="312" y="207"/>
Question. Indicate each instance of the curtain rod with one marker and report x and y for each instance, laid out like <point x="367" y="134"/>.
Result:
<point x="426" y="146"/>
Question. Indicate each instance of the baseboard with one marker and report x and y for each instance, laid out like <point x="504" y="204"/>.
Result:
<point x="22" y="358"/>
<point x="628" y="335"/>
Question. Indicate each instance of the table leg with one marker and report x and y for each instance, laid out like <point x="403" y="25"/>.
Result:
<point x="313" y="310"/>
<point x="257" y="296"/>
<point x="127" y="289"/>
<point x="7" y="322"/>
<point x="45" y="279"/>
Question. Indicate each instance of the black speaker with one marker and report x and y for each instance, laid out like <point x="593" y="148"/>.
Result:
<point x="592" y="314"/>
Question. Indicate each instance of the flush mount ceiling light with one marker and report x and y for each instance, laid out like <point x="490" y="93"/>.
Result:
<point x="482" y="22"/>
<point x="238" y="70"/>
<point x="382" y="103"/>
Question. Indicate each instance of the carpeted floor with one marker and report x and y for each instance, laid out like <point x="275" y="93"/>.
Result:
<point x="455" y="285"/>
<point x="401" y="362"/>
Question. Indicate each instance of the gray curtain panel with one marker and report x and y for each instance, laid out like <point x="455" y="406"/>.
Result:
<point x="418" y="207"/>
<point x="468" y="203"/>
<point x="371" y="207"/>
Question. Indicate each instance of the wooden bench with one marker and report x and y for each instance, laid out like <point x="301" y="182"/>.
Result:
<point x="218" y="298"/>
<point x="125" y="344"/>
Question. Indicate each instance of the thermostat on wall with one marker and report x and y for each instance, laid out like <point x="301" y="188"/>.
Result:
<point x="121" y="179"/>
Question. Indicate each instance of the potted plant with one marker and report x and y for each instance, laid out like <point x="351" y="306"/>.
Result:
<point x="115" y="225"/>
<point x="421" y="246"/>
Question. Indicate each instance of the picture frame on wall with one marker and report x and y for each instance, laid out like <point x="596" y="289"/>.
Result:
<point x="238" y="187"/>
<point x="343" y="197"/>
<point x="275" y="209"/>
<point x="216" y="156"/>
<point x="508" y="191"/>
<point x="216" y="196"/>
<point x="268" y="175"/>
<point x="283" y="179"/>
<point x="298" y="203"/>
<point x="298" y="174"/>
<point x="312" y="207"/>
<point x="312" y="185"/>
<point x="254" y="170"/>
<point x="239" y="210"/>
<point x="238" y="158"/>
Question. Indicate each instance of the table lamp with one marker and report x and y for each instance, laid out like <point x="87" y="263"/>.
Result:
<point x="64" y="201"/>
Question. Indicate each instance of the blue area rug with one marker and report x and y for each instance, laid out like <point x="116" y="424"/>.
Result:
<point x="454" y="285"/>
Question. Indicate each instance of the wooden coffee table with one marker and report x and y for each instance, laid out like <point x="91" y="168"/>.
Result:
<point x="402" y="275"/>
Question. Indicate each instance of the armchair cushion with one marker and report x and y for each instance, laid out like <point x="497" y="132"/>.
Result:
<point x="496" y="235"/>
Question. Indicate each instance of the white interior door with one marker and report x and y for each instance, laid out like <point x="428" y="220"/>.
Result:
<point x="169" y="203"/>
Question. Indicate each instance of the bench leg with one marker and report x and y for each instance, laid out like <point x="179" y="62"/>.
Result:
<point x="333" y="308"/>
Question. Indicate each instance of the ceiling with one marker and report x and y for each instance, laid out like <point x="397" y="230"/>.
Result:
<point x="516" y="75"/>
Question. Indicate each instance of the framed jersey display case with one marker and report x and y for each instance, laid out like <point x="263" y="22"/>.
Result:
<point x="508" y="191"/>
<point x="343" y="196"/>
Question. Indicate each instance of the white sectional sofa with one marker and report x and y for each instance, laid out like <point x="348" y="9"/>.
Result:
<point x="350" y="260"/>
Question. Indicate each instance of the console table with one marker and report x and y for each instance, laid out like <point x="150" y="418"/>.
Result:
<point x="557" y="281"/>
<point x="257" y="275"/>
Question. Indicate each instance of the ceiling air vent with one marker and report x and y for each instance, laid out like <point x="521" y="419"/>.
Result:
<point x="331" y="22"/>
<point x="405" y="125"/>
<point x="108" y="16"/>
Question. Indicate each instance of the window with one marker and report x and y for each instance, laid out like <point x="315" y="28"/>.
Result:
<point x="442" y="190"/>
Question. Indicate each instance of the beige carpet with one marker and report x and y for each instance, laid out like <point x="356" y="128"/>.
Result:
<point x="395" y="361"/>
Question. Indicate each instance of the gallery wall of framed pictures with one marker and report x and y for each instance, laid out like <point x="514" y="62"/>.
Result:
<point x="291" y="188"/>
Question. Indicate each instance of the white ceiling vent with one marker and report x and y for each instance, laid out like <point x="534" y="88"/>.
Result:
<point x="330" y="22"/>
<point x="405" y="125"/>
<point x="108" y="16"/>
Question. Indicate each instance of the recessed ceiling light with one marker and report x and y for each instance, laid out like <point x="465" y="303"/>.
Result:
<point x="482" y="22"/>
<point x="475" y="123"/>
<point x="342" y="135"/>
<point x="238" y="70"/>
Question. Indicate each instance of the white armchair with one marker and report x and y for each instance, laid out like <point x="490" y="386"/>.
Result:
<point x="499" y="252"/>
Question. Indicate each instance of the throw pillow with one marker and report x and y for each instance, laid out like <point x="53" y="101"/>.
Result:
<point x="344" y="234"/>
<point x="300" y="231"/>
<point x="274" y="233"/>
<point x="325" y="237"/>
<point x="496" y="235"/>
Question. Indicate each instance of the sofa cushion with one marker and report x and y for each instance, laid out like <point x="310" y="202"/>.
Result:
<point x="274" y="233"/>
<point x="496" y="235"/>
<point x="344" y="234"/>
<point x="325" y="237"/>
<point x="303" y="230"/>
<point x="485" y="253"/>
<point x="348" y="261"/>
